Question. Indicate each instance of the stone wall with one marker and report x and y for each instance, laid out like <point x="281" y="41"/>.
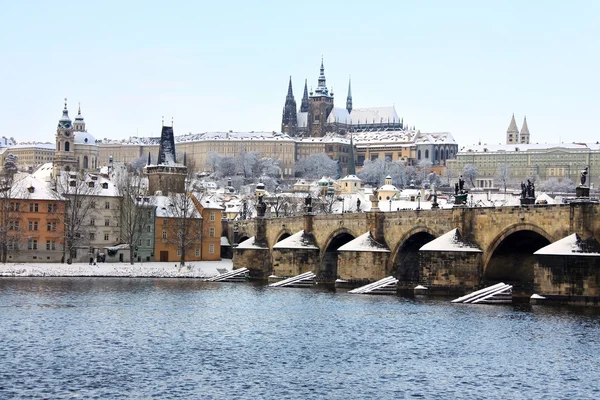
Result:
<point x="568" y="279"/>
<point x="292" y="262"/>
<point x="258" y="262"/>
<point x="362" y="266"/>
<point x="450" y="271"/>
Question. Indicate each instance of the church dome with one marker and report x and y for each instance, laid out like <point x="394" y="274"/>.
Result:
<point x="85" y="138"/>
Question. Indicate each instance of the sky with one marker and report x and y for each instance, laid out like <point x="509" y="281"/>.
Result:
<point x="447" y="66"/>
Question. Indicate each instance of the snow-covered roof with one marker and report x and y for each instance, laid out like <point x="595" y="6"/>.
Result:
<point x="36" y="145"/>
<point x="532" y="147"/>
<point x="339" y="115"/>
<point x="297" y="241"/>
<point x="434" y="138"/>
<point x="364" y="242"/>
<point x="209" y="203"/>
<point x="249" y="244"/>
<point x="383" y="137"/>
<point x="350" y="178"/>
<point x="43" y="172"/>
<point x="84" y="138"/>
<point x="450" y="241"/>
<point x="165" y="207"/>
<point x="375" y="115"/>
<point x="30" y="187"/>
<point x="388" y="188"/>
<point x="572" y="245"/>
<point x="225" y="241"/>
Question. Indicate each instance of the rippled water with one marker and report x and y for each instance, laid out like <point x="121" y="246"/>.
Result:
<point x="144" y="338"/>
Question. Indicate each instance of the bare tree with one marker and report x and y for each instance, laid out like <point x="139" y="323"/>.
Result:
<point x="316" y="166"/>
<point x="503" y="175"/>
<point x="135" y="210"/>
<point x="184" y="227"/>
<point x="11" y="232"/>
<point x="470" y="174"/>
<point x="79" y="193"/>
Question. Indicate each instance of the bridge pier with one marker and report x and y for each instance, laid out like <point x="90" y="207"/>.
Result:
<point x="298" y="253"/>
<point x="449" y="272"/>
<point x="254" y="253"/>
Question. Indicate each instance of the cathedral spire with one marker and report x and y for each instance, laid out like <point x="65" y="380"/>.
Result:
<point x="349" y="98"/>
<point x="304" y="104"/>
<point x="289" y="120"/>
<point x="351" y="163"/>
<point x="322" y="83"/>
<point x="290" y="93"/>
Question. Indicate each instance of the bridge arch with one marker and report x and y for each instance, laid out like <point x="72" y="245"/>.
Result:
<point x="404" y="260"/>
<point x="282" y="234"/>
<point x="509" y="257"/>
<point x="326" y="271"/>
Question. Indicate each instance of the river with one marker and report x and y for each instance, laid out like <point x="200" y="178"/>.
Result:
<point x="182" y="338"/>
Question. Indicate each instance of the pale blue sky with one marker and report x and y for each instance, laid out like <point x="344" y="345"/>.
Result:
<point x="455" y="66"/>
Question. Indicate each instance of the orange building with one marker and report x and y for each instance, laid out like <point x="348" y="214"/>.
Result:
<point x="36" y="232"/>
<point x="212" y="228"/>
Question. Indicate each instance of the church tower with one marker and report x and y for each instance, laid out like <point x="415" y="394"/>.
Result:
<point x="289" y="120"/>
<point x="167" y="176"/>
<point x="512" y="134"/>
<point x="524" y="132"/>
<point x="79" y="124"/>
<point x="349" y="98"/>
<point x="64" y="158"/>
<point x="320" y="105"/>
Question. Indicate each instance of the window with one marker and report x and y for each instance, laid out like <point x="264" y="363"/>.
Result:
<point x="33" y="226"/>
<point x="211" y="249"/>
<point x="419" y="155"/>
<point x="164" y="234"/>
<point x="92" y="222"/>
<point x="51" y="207"/>
<point x="33" y="207"/>
<point x="212" y="215"/>
<point x="197" y="252"/>
<point x="211" y="232"/>
<point x="13" y="226"/>
<point x="92" y="236"/>
<point x="13" y="207"/>
<point x="107" y="205"/>
<point x="148" y="243"/>
<point x="13" y="245"/>
<point x="106" y="221"/>
<point x="165" y="222"/>
<point x="32" y="244"/>
<point x="67" y="146"/>
<point x="53" y="245"/>
<point x="179" y="252"/>
<point x="148" y="228"/>
<point x="93" y="204"/>
<point x="426" y="153"/>
<point x="51" y="226"/>
<point x="47" y="245"/>
<point x="106" y="236"/>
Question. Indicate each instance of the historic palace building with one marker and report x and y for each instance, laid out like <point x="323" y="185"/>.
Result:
<point x="525" y="159"/>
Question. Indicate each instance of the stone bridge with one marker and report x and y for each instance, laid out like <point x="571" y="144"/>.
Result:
<point x="381" y="244"/>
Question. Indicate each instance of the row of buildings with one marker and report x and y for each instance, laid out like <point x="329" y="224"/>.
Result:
<point x="67" y="210"/>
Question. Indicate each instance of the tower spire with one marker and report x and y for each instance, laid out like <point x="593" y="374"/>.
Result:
<point x="512" y="133"/>
<point x="304" y="104"/>
<point x="322" y="82"/>
<point x="290" y="93"/>
<point x="524" y="137"/>
<point x="349" y="98"/>
<point x="351" y="163"/>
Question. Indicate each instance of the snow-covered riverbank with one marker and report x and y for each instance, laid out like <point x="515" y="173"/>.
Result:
<point x="196" y="269"/>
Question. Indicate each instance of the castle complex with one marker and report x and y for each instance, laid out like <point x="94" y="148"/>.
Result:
<point x="318" y="115"/>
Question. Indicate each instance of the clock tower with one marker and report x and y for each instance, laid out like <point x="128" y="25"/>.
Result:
<point x="64" y="158"/>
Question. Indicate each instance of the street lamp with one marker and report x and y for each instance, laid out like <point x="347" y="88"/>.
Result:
<point x="341" y="199"/>
<point x="419" y="201"/>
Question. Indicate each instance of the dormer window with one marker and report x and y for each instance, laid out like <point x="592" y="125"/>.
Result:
<point x="31" y="189"/>
<point x="72" y="183"/>
<point x="94" y="177"/>
<point x="91" y="184"/>
<point x="105" y="185"/>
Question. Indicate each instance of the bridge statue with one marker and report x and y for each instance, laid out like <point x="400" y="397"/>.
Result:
<point x="261" y="207"/>
<point x="523" y="190"/>
<point x="308" y="203"/>
<point x="583" y="178"/>
<point x="358" y="205"/>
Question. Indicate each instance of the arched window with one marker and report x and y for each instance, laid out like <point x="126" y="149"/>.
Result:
<point x="67" y="146"/>
<point x="437" y="154"/>
<point x="85" y="162"/>
<point x="58" y="146"/>
<point x="419" y="155"/>
<point x="426" y="154"/>
<point x="446" y="154"/>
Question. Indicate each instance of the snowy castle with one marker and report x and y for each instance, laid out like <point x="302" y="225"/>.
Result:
<point x="319" y="116"/>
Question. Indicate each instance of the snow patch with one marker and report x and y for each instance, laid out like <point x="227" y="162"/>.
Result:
<point x="297" y="241"/>
<point x="364" y="242"/>
<point x="450" y="241"/>
<point x="572" y="245"/>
